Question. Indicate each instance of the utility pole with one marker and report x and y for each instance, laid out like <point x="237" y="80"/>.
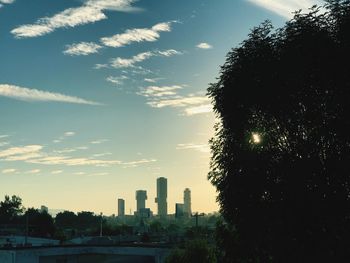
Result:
<point x="101" y="225"/>
<point x="27" y="230"/>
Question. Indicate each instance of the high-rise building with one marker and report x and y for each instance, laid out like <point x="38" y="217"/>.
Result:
<point x="179" y="210"/>
<point x="141" y="197"/>
<point x="187" y="202"/>
<point x="162" y="194"/>
<point x="121" y="207"/>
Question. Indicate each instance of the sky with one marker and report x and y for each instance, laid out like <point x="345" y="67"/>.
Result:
<point x="99" y="98"/>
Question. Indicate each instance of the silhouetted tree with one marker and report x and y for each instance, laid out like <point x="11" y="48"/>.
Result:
<point x="66" y="219"/>
<point x="156" y="226"/>
<point x="10" y="209"/>
<point x="88" y="220"/>
<point x="281" y="153"/>
<point x="195" y="251"/>
<point x="40" y="223"/>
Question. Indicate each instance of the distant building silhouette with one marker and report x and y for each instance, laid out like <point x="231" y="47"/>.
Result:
<point x="187" y="202"/>
<point x="162" y="194"/>
<point x="121" y="207"/>
<point x="141" y="197"/>
<point x="145" y="213"/>
<point x="179" y="210"/>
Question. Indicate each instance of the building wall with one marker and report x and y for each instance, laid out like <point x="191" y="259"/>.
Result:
<point x="187" y="202"/>
<point x="141" y="197"/>
<point x="121" y="207"/>
<point x="162" y="194"/>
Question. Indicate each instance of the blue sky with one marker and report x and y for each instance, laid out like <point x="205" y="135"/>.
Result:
<point x="98" y="98"/>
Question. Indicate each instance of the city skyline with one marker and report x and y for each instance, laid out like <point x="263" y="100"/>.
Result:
<point x="99" y="98"/>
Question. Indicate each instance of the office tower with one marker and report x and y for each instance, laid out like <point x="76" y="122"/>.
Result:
<point x="141" y="197"/>
<point x="179" y="210"/>
<point x="121" y="207"/>
<point x="187" y="202"/>
<point x="162" y="193"/>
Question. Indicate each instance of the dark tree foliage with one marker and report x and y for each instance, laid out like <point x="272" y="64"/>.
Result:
<point x="41" y="224"/>
<point x="195" y="251"/>
<point x="88" y="220"/>
<point x="82" y="220"/>
<point x="66" y="219"/>
<point x="281" y="152"/>
<point x="10" y="209"/>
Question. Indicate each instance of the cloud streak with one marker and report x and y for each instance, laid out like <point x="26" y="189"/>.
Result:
<point x="91" y="11"/>
<point x="117" y="80"/>
<point x="285" y="8"/>
<point x="8" y="171"/>
<point x="155" y="91"/>
<point x="137" y="35"/>
<point x="204" y="148"/>
<point x="179" y="102"/>
<point x="16" y="151"/>
<point x="204" y="46"/>
<point x="34" y="154"/>
<point x="82" y="49"/>
<point x="167" y="96"/>
<point x="120" y="40"/>
<point x="26" y="94"/>
<point x="130" y="62"/>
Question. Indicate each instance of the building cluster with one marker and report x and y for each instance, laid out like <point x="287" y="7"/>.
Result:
<point x="181" y="209"/>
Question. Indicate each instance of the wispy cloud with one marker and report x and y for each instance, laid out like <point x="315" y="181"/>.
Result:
<point x="168" y="96"/>
<point x="69" y="133"/>
<point x="7" y="1"/>
<point x="130" y="62"/>
<point x="152" y="80"/>
<point x="18" y="151"/>
<point x="119" y="80"/>
<point x="2" y="2"/>
<point x="72" y="161"/>
<point x="204" y="108"/>
<point x="67" y="150"/>
<point x="155" y="91"/>
<point x="26" y="94"/>
<point x="119" y="40"/>
<point x="179" y="102"/>
<point x="192" y="146"/>
<point x="286" y="8"/>
<point x="82" y="49"/>
<point x="101" y="154"/>
<point x="137" y="35"/>
<point x="56" y="172"/>
<point x="138" y="163"/>
<point x="8" y="171"/>
<point x="204" y="46"/>
<point x="34" y="171"/>
<point x="34" y="154"/>
<point x="91" y="11"/>
<point x="99" y="66"/>
<point x="99" y="141"/>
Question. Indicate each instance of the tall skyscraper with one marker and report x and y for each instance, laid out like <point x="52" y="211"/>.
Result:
<point x="179" y="210"/>
<point x="162" y="194"/>
<point x="121" y="207"/>
<point x="187" y="202"/>
<point x="141" y="197"/>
